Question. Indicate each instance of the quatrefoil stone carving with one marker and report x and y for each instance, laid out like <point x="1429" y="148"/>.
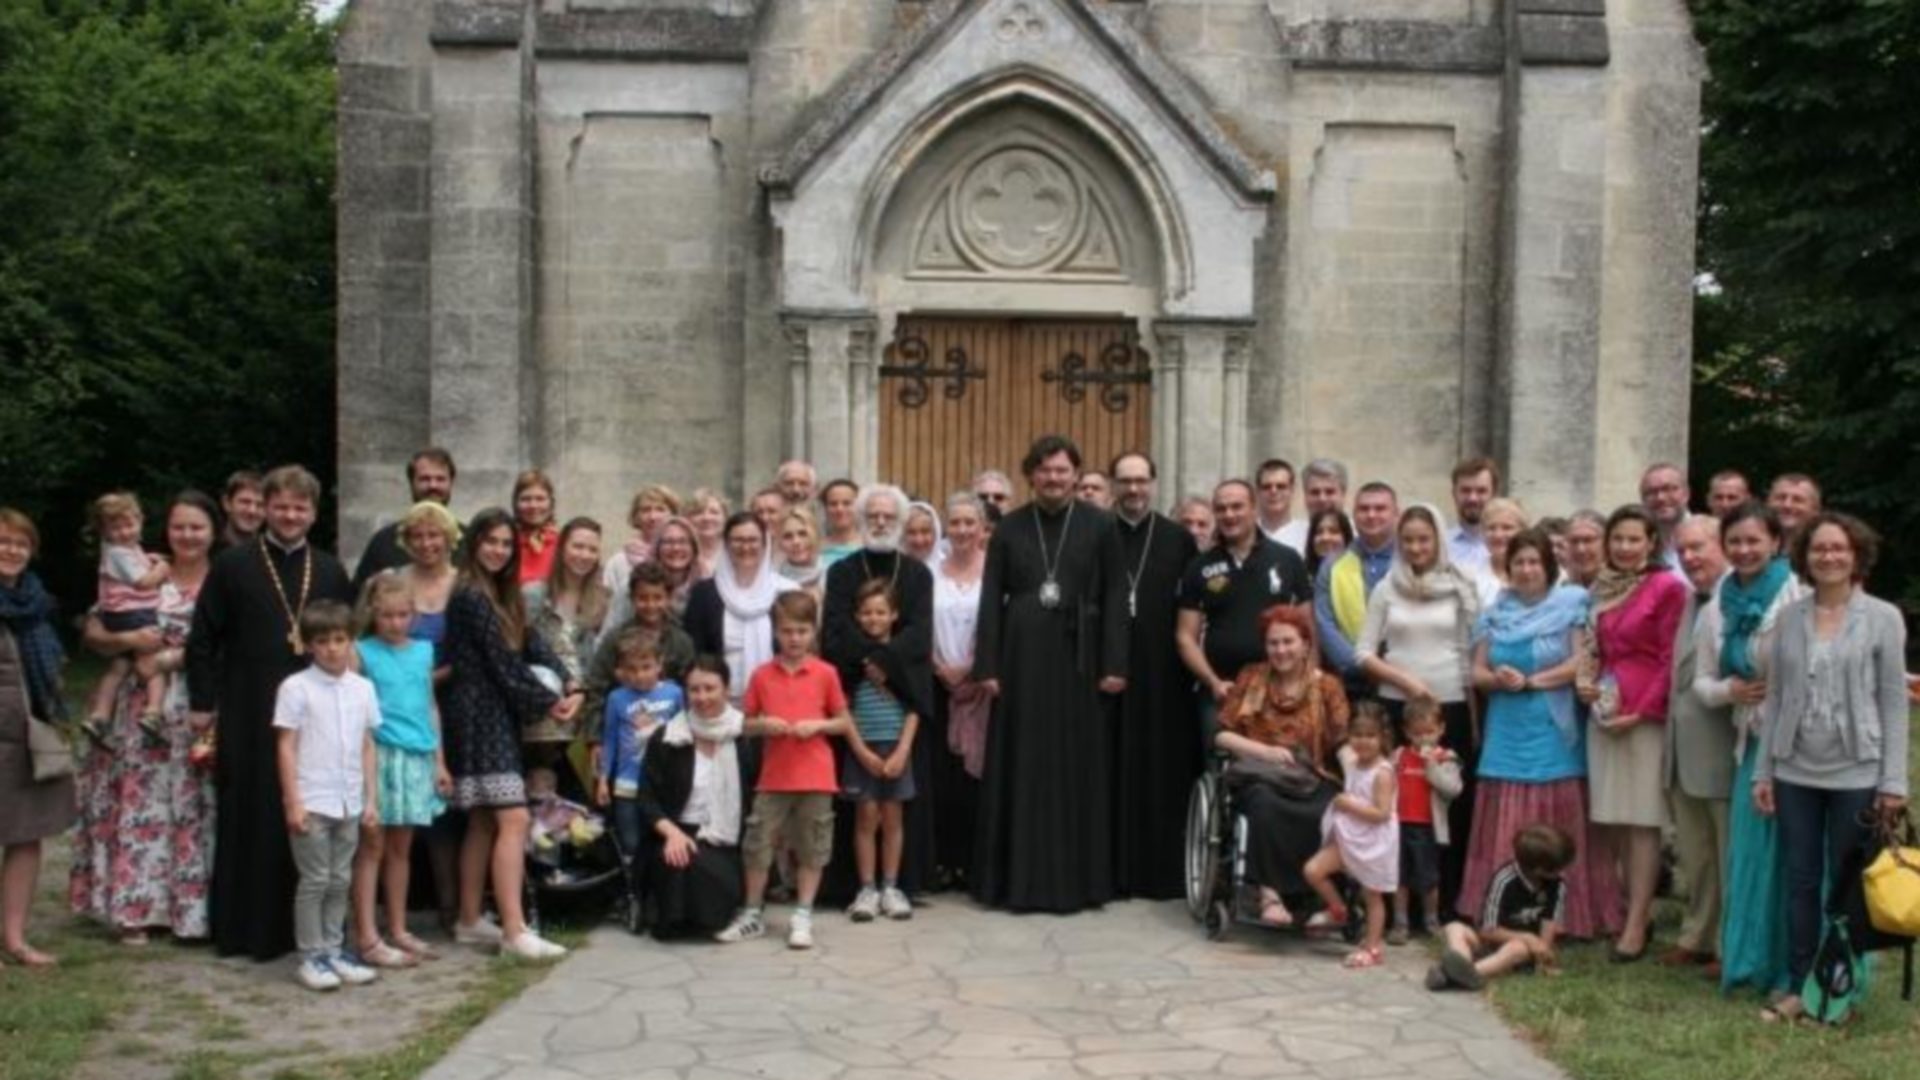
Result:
<point x="1019" y="21"/>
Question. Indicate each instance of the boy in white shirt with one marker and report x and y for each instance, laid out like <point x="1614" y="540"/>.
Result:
<point x="325" y="716"/>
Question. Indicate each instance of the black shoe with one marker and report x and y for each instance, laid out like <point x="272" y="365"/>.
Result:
<point x="1437" y="979"/>
<point x="1460" y="971"/>
<point x="1621" y="956"/>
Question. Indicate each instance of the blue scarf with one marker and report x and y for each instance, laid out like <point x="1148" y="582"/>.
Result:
<point x="26" y="610"/>
<point x="1544" y="626"/>
<point x="1743" y="608"/>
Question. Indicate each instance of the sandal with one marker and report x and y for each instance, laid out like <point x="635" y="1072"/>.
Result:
<point x="382" y="955"/>
<point x="1275" y="914"/>
<point x="1788" y="1010"/>
<point x="410" y="944"/>
<point x="1327" y="920"/>
<point x="1364" y="957"/>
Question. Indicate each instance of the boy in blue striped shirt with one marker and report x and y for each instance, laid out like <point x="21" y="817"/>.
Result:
<point x="877" y="773"/>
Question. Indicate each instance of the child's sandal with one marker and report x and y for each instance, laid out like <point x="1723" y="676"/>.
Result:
<point x="1365" y="957"/>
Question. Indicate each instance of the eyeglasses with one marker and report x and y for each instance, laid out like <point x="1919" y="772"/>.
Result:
<point x="995" y="496"/>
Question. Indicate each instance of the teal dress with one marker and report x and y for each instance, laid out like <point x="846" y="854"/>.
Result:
<point x="1753" y="924"/>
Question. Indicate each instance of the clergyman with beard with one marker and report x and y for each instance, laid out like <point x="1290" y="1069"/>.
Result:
<point x="903" y="664"/>
<point x="1052" y="639"/>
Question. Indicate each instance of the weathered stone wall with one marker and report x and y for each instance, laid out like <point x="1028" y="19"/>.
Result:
<point x="385" y="138"/>
<point x="556" y="251"/>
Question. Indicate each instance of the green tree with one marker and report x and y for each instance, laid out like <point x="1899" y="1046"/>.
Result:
<point x="166" y="248"/>
<point x="1808" y="352"/>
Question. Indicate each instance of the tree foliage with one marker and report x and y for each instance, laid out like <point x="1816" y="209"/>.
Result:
<point x="166" y="247"/>
<point x="1808" y="351"/>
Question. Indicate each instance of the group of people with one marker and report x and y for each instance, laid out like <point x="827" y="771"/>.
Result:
<point x="1491" y="719"/>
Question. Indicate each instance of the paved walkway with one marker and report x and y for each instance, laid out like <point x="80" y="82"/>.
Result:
<point x="961" y="993"/>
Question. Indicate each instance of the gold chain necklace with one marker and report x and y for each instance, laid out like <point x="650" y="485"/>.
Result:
<point x="298" y="646"/>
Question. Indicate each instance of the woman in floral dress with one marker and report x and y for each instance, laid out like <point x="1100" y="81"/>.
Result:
<point x="143" y="853"/>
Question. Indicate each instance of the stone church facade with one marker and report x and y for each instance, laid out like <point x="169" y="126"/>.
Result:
<point x="681" y="240"/>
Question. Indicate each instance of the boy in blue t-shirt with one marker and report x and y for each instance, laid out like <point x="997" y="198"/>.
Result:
<point x="635" y="710"/>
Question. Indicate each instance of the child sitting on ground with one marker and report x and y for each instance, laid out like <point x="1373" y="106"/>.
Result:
<point x="877" y="773"/>
<point x="129" y="601"/>
<point x="795" y="703"/>
<point x="325" y="717"/>
<point x="1520" y="919"/>
<point x="1428" y="779"/>
<point x="1361" y="838"/>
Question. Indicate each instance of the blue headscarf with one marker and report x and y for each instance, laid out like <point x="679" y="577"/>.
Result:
<point x="1743" y="610"/>
<point x="27" y="611"/>
<point x="1545" y="626"/>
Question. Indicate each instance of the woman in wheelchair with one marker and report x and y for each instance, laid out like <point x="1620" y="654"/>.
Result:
<point x="1283" y="723"/>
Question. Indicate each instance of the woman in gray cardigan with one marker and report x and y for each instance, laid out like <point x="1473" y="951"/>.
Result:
<point x="1833" y="729"/>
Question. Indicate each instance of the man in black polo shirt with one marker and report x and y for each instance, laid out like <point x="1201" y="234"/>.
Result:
<point x="1224" y="592"/>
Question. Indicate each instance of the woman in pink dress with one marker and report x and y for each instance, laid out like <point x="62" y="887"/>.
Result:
<point x="143" y="852"/>
<point x="1637" y="608"/>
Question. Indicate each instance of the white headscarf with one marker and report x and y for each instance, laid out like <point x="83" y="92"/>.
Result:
<point x="723" y="796"/>
<point x="747" y="607"/>
<point x="1443" y="578"/>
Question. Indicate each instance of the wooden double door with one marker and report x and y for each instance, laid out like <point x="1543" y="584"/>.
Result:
<point x="958" y="395"/>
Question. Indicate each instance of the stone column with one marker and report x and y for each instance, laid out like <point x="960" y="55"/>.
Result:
<point x="385" y="137"/>
<point x="485" y="387"/>
<point x="833" y="383"/>
<point x="1548" y="366"/>
<point x="1200" y="400"/>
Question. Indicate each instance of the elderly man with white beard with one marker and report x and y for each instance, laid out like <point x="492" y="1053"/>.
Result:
<point x="903" y="664"/>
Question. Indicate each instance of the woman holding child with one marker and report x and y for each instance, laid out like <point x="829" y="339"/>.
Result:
<point x="143" y="853"/>
<point x="1533" y="762"/>
<point x="492" y="692"/>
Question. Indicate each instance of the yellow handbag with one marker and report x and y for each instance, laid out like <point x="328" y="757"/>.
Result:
<point x="1893" y="882"/>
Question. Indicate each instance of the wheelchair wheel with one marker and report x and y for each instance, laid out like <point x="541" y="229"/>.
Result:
<point x="1204" y="829"/>
<point x="1219" y="920"/>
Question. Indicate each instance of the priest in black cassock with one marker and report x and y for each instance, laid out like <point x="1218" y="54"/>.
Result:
<point x="1052" y="639"/>
<point x="1156" y="743"/>
<point x="904" y="663"/>
<point x="244" y="641"/>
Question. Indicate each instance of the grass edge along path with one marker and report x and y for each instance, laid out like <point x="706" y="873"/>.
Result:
<point x="1606" y="1021"/>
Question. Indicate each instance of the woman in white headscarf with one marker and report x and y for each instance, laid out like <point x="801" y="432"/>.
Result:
<point x="1417" y="645"/>
<point x="730" y="614"/>
<point x="923" y="538"/>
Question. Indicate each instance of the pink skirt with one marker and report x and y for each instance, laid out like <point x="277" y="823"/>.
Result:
<point x="1502" y="808"/>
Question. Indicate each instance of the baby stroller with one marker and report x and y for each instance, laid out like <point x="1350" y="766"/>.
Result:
<point x="1219" y="895"/>
<point x="574" y="868"/>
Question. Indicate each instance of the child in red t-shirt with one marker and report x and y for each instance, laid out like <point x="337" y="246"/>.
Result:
<point x="794" y="703"/>
<point x="1429" y="779"/>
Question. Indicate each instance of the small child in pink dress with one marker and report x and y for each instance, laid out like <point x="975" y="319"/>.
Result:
<point x="129" y="601"/>
<point x="1361" y="837"/>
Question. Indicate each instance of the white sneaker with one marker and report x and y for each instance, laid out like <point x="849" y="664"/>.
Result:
<point x="744" y="926"/>
<point x="894" y="904"/>
<point x="866" y="905"/>
<point x="315" y="973"/>
<point x="483" y="932"/>
<point x="800" y="930"/>
<point x="531" y="946"/>
<point x="350" y="970"/>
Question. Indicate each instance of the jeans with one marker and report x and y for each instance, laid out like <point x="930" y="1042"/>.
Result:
<point x="323" y="855"/>
<point x="1819" y="828"/>
<point x="629" y="827"/>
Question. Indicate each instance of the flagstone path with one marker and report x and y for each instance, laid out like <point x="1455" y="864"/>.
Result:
<point x="960" y="993"/>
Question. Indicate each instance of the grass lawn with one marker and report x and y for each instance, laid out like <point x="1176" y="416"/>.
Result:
<point x="170" y="1012"/>
<point x="1604" y="1021"/>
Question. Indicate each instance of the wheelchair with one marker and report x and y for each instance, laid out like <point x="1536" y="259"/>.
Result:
<point x="1219" y="896"/>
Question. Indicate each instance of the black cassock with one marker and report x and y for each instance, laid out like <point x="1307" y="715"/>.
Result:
<point x="1045" y="837"/>
<point x="237" y="655"/>
<point x="907" y="661"/>
<point x="1156" y="743"/>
